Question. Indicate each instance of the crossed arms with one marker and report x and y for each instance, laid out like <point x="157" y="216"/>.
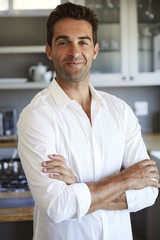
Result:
<point x="109" y="192"/>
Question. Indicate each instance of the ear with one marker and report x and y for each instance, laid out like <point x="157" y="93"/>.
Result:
<point x="96" y="50"/>
<point x="48" y="51"/>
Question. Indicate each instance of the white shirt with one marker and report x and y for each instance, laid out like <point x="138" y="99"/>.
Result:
<point x="54" y="124"/>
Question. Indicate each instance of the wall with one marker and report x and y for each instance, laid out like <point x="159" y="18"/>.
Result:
<point x="151" y="94"/>
<point x="32" y="31"/>
<point x="20" y="98"/>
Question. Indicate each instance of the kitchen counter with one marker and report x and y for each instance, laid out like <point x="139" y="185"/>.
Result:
<point x="16" y="213"/>
<point x="152" y="141"/>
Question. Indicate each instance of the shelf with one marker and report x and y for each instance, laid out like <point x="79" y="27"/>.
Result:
<point x="26" y="86"/>
<point x="22" y="49"/>
<point x="115" y="80"/>
<point x="145" y="50"/>
<point x="97" y="79"/>
<point x="103" y="50"/>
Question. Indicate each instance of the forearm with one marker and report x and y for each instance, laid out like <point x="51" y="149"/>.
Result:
<point x="119" y="203"/>
<point x="108" y="194"/>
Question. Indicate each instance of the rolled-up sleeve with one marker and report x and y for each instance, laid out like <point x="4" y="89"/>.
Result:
<point x="135" y="151"/>
<point x="139" y="199"/>
<point x="55" y="199"/>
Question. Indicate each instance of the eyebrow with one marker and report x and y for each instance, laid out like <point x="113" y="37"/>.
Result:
<point x="66" y="37"/>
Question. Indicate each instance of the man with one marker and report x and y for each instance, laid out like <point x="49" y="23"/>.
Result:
<point x="96" y="169"/>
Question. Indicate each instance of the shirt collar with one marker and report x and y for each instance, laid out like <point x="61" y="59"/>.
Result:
<point x="59" y="95"/>
<point x="61" y="98"/>
<point x="95" y="95"/>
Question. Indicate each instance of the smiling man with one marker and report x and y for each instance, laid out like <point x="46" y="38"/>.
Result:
<point x="82" y="149"/>
<point x="72" y="50"/>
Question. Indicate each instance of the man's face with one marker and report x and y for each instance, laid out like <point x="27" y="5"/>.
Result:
<point x="72" y="50"/>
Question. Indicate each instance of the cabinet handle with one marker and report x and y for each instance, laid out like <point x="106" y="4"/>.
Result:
<point x="124" y="78"/>
<point x="131" y="78"/>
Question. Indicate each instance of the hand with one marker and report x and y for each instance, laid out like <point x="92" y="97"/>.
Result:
<point x="58" y="169"/>
<point x="141" y="175"/>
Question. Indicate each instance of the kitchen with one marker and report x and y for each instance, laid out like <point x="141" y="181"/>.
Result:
<point x="132" y="80"/>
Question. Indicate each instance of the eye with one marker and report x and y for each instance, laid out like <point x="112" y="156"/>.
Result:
<point x="84" y="43"/>
<point x="62" y="43"/>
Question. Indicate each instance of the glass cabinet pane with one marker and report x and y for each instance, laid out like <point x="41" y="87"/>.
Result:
<point x="148" y="35"/>
<point x="108" y="13"/>
<point x="109" y="57"/>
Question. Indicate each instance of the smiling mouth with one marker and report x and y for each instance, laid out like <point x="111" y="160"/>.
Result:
<point x="74" y="64"/>
<point x="74" y="61"/>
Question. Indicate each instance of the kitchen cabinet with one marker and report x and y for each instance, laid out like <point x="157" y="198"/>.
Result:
<point x="128" y="39"/>
<point x="129" y="43"/>
<point x="21" y="47"/>
<point x="18" y="213"/>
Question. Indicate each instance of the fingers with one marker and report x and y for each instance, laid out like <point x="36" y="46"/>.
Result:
<point x="142" y="174"/>
<point x="57" y="159"/>
<point x="67" y="179"/>
<point x="146" y="162"/>
<point x="58" y="169"/>
<point x="154" y="183"/>
<point x="58" y="164"/>
<point x="152" y="169"/>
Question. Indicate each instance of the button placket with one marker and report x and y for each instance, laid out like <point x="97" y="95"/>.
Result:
<point x="97" y="158"/>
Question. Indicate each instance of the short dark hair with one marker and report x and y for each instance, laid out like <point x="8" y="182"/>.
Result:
<point x="70" y="10"/>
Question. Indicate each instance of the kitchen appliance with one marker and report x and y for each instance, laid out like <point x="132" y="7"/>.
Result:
<point x="12" y="177"/>
<point x="8" y="125"/>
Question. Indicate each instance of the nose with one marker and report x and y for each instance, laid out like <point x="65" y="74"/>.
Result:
<point x="74" y="50"/>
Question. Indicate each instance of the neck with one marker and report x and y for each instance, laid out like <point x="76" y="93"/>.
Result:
<point x="80" y="92"/>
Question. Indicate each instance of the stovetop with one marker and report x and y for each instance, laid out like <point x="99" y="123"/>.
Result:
<point x="12" y="176"/>
<point x="18" y="184"/>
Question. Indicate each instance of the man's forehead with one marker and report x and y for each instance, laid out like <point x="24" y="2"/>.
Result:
<point x="69" y="26"/>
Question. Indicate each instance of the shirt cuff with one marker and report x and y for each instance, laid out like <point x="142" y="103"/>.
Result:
<point x="83" y="197"/>
<point x="142" y="198"/>
<point x="131" y="196"/>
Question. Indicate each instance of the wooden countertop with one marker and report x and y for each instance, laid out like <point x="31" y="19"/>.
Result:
<point x="152" y="141"/>
<point x="16" y="214"/>
<point x="8" y="144"/>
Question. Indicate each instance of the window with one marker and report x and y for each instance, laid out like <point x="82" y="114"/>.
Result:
<point x="27" y="7"/>
<point x="34" y="4"/>
<point x="4" y="5"/>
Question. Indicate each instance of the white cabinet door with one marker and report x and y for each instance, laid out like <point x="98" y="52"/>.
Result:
<point x="147" y="42"/>
<point x="130" y="46"/>
<point x="111" y="66"/>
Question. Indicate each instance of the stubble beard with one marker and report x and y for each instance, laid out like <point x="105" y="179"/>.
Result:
<point x="76" y="77"/>
<point x="70" y="76"/>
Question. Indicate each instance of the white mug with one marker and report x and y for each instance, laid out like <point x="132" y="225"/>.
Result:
<point x="48" y="76"/>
